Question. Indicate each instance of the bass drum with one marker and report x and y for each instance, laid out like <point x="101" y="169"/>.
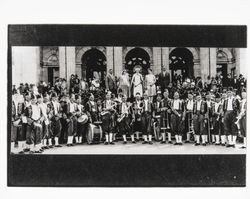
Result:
<point x="94" y="134"/>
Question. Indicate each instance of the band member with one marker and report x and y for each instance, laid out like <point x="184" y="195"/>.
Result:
<point x="157" y="122"/>
<point x="24" y="137"/>
<point x="82" y="125"/>
<point x="137" y="111"/>
<point x="166" y="118"/>
<point x="216" y="118"/>
<point x="177" y="118"/>
<point x="55" y="120"/>
<point x="34" y="124"/>
<point x="108" y="118"/>
<point x="200" y="125"/>
<point x="189" y="106"/>
<point x="242" y="117"/>
<point x="91" y="107"/>
<point x="45" y="134"/>
<point x="137" y="82"/>
<point x="16" y="126"/>
<point x="230" y="107"/>
<point x="210" y="104"/>
<point x="146" y="117"/>
<point x="71" y="120"/>
<point x="222" y="133"/>
<point x="124" y="120"/>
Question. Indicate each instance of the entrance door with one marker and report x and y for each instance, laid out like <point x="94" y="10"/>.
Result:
<point x="93" y="61"/>
<point x="181" y="62"/>
<point x="53" y="74"/>
<point x="137" y="56"/>
<point x="221" y="69"/>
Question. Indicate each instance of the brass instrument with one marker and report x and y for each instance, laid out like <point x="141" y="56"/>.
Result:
<point x="108" y="110"/>
<point x="123" y="115"/>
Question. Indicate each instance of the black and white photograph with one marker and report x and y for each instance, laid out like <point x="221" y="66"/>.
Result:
<point x="128" y="100"/>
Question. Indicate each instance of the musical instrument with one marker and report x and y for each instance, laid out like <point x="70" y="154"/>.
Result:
<point x="83" y="118"/>
<point x="105" y="112"/>
<point x="121" y="117"/>
<point x="94" y="134"/>
<point x="16" y="122"/>
<point x="156" y="127"/>
<point x="190" y="122"/>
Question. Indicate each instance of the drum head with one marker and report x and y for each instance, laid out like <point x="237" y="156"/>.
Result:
<point x="83" y="119"/>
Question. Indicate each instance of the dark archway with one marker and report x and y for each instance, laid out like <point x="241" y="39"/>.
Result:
<point x="137" y="56"/>
<point x="181" y="61"/>
<point x="93" y="60"/>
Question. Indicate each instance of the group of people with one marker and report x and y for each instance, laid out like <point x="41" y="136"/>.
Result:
<point x="146" y="108"/>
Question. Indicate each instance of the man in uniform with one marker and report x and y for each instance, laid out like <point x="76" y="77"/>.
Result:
<point x="200" y="126"/>
<point x="216" y="118"/>
<point x="230" y="107"/>
<point x="177" y="118"/>
<point x="158" y="120"/>
<point x="146" y="118"/>
<point x="189" y="106"/>
<point x="165" y="115"/>
<point x="34" y="124"/>
<point x="56" y="126"/>
<point x="137" y="113"/>
<point x="242" y="117"/>
<point x="71" y="120"/>
<point x="124" y="120"/>
<point x="108" y="119"/>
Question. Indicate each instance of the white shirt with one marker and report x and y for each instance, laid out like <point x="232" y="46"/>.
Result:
<point x="176" y="104"/>
<point x="209" y="104"/>
<point x="36" y="112"/>
<point x="190" y="105"/>
<point x="108" y="104"/>
<point x="43" y="108"/>
<point x="230" y="104"/>
<point x="56" y="107"/>
<point x="124" y="108"/>
<point x="198" y="105"/>
<point x="71" y="107"/>
<point x="216" y="106"/>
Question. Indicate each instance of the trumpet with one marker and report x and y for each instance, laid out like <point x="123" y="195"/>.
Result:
<point x="122" y="116"/>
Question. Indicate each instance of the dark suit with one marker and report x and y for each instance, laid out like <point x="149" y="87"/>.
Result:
<point x="164" y="80"/>
<point x="110" y="83"/>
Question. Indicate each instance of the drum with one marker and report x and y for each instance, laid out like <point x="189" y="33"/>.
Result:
<point x="94" y="134"/>
<point x="82" y="119"/>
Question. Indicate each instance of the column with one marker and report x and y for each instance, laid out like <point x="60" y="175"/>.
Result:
<point x="165" y="59"/>
<point x="156" y="60"/>
<point x="118" y="61"/>
<point x="62" y="61"/>
<point x="204" y="61"/>
<point x="70" y="61"/>
<point x="25" y="65"/>
<point x="213" y="62"/>
<point x="109" y="57"/>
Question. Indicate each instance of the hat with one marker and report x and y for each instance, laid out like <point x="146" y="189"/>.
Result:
<point x="53" y="94"/>
<point x="217" y="95"/>
<point x="32" y="97"/>
<point x="158" y="92"/>
<point x="38" y="96"/>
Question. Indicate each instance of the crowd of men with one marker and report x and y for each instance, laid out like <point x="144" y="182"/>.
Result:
<point x="143" y="108"/>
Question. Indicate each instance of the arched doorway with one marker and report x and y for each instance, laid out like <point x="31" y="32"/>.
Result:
<point x="93" y="60"/>
<point x="137" y="56"/>
<point x="181" y="62"/>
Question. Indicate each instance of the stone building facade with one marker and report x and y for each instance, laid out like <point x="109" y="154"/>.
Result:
<point x="33" y="64"/>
